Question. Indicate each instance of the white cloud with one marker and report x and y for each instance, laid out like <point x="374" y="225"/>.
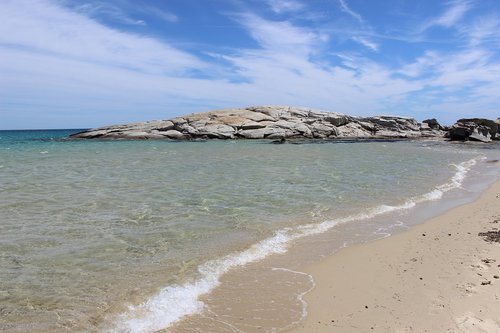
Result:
<point x="283" y="6"/>
<point x="456" y="84"/>
<point x="281" y="36"/>
<point x="483" y="30"/>
<point x="454" y="14"/>
<point x="96" y="9"/>
<point x="367" y="43"/>
<point x="452" y="69"/>
<point x="421" y="65"/>
<point x="345" y="8"/>
<point x="109" y="11"/>
<point x="44" y="28"/>
<point x="466" y="68"/>
<point x="162" y="14"/>
<point x="451" y="16"/>
<point x="84" y="93"/>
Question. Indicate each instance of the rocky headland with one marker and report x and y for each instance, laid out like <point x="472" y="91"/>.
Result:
<point x="283" y="123"/>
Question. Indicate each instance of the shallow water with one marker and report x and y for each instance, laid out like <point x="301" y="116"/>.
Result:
<point x="90" y="230"/>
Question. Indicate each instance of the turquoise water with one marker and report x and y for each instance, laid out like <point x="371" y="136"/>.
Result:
<point x="90" y="230"/>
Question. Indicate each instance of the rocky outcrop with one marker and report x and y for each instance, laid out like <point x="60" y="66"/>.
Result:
<point x="476" y="129"/>
<point x="433" y="123"/>
<point x="268" y="122"/>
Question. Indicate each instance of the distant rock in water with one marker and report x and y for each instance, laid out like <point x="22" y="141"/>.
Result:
<point x="476" y="129"/>
<point x="269" y="122"/>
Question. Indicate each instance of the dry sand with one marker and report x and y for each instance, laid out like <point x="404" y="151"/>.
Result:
<point x="441" y="276"/>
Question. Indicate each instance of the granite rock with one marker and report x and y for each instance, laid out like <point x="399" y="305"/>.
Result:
<point x="476" y="129"/>
<point x="433" y="124"/>
<point x="269" y="122"/>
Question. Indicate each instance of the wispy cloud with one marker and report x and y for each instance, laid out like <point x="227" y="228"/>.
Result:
<point x="456" y="11"/>
<point x="345" y="8"/>
<point x="445" y="69"/>
<point x="367" y="43"/>
<point x="162" y="14"/>
<point x="361" y="34"/>
<point x="420" y="66"/>
<point x="453" y="14"/>
<point x="468" y="68"/>
<point x="279" y="35"/>
<point x="284" y="6"/>
<point x="109" y="11"/>
<point x="483" y="30"/>
<point x="44" y="28"/>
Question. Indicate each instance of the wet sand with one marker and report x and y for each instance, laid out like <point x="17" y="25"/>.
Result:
<point x="440" y="276"/>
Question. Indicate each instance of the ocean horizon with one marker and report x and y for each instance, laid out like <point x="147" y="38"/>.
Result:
<point x="131" y="236"/>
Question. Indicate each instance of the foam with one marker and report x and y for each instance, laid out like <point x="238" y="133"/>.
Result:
<point x="174" y="302"/>
<point x="300" y="297"/>
<point x="455" y="182"/>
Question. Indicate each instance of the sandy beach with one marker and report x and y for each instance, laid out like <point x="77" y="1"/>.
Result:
<point x="440" y="276"/>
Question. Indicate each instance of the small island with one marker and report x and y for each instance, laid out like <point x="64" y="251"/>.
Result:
<point x="285" y="122"/>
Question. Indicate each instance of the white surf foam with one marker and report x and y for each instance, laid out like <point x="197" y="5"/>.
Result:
<point x="300" y="297"/>
<point x="174" y="302"/>
<point x="455" y="181"/>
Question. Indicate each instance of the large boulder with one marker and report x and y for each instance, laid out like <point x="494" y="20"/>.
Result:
<point x="433" y="124"/>
<point x="321" y="129"/>
<point x="353" y="130"/>
<point x="477" y="129"/>
<point x="337" y="119"/>
<point x="217" y="131"/>
<point x="487" y="125"/>
<point x="173" y="134"/>
<point x="400" y="124"/>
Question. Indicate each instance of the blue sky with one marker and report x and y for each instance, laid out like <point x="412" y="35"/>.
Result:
<point x="74" y="64"/>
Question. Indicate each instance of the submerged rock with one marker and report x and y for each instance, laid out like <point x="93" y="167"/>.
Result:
<point x="268" y="122"/>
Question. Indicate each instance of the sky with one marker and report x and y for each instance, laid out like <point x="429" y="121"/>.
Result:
<point x="80" y="64"/>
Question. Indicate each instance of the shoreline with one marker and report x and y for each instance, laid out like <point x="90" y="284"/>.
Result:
<point x="439" y="276"/>
<point x="267" y="295"/>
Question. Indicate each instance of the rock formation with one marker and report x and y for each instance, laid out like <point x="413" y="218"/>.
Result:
<point x="433" y="123"/>
<point x="269" y="122"/>
<point x="476" y="129"/>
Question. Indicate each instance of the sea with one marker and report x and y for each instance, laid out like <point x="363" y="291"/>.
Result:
<point x="147" y="236"/>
